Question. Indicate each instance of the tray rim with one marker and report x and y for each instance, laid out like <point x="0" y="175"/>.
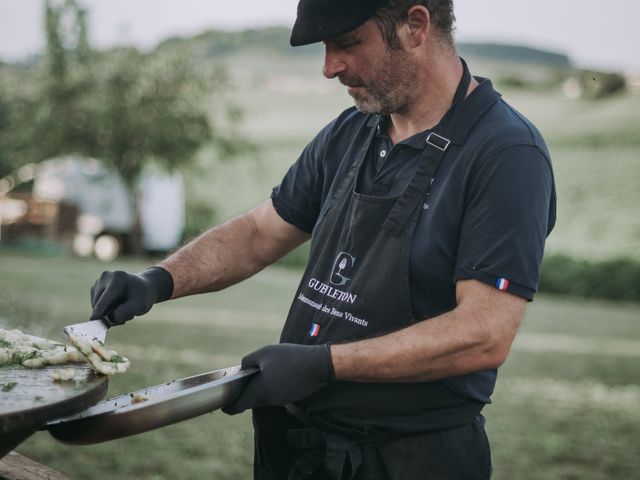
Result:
<point x="111" y="420"/>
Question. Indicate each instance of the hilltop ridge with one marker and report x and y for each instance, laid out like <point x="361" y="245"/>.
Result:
<point x="218" y="43"/>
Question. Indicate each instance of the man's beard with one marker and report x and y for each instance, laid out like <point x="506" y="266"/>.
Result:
<point x="388" y="92"/>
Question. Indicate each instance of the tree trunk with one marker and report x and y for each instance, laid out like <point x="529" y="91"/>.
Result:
<point x="136" y="246"/>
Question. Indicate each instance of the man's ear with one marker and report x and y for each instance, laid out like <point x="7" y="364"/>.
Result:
<point x="418" y="25"/>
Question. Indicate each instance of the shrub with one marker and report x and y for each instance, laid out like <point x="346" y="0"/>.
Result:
<point x="615" y="279"/>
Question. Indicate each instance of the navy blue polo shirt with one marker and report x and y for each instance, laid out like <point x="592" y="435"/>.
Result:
<point x="488" y="213"/>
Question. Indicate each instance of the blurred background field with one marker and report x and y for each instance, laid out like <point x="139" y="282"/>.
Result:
<point x="277" y="100"/>
<point x="595" y="147"/>
<point x="566" y="404"/>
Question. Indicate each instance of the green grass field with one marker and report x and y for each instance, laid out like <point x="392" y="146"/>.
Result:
<point x="565" y="407"/>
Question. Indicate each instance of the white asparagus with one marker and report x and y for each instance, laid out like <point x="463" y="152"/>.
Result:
<point x="18" y="348"/>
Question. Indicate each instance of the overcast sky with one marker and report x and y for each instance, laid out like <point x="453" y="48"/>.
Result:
<point x="603" y="34"/>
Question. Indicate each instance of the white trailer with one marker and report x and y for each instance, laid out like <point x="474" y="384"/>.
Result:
<point x="106" y="209"/>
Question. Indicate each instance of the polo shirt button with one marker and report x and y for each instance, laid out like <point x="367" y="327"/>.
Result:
<point x="383" y="153"/>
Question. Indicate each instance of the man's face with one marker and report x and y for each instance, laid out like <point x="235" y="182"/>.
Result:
<point x="378" y="78"/>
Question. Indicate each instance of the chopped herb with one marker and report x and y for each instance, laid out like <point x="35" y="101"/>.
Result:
<point x="4" y="343"/>
<point x="16" y="358"/>
<point x="39" y="398"/>
<point x="19" y="357"/>
<point x="7" y="387"/>
<point x="117" y="359"/>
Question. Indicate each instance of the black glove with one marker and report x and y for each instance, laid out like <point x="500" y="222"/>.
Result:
<point x="119" y="296"/>
<point x="288" y="373"/>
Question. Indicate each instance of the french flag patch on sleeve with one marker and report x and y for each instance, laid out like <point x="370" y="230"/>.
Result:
<point x="314" y="330"/>
<point x="502" y="283"/>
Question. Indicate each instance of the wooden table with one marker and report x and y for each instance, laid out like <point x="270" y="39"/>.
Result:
<point x="35" y="399"/>
<point x="16" y="467"/>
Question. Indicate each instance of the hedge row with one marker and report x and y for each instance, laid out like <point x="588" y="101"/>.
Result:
<point x="615" y="279"/>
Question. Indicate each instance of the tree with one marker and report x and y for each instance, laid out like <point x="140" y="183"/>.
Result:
<point x="121" y="106"/>
<point x="18" y="111"/>
<point x="44" y="109"/>
<point x="6" y="165"/>
<point x="147" y="110"/>
<point x="61" y="124"/>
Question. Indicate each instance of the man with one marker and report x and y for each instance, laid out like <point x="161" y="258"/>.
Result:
<point x="428" y="206"/>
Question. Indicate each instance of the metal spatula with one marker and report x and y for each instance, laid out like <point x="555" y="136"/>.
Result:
<point x="92" y="330"/>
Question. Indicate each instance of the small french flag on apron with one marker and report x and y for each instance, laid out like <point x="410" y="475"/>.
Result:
<point x="314" y="330"/>
<point x="502" y="283"/>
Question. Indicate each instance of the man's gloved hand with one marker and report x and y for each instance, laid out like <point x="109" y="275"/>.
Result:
<point x="119" y="296"/>
<point x="288" y="373"/>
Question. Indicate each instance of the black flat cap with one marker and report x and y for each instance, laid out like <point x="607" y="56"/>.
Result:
<point x="320" y="20"/>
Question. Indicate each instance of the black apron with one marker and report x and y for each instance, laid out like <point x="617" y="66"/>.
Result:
<point x="356" y="285"/>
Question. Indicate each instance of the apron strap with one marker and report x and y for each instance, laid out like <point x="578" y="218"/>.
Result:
<point x="437" y="144"/>
<point x="404" y="207"/>
<point x="313" y="442"/>
<point x="338" y="450"/>
<point x="322" y="449"/>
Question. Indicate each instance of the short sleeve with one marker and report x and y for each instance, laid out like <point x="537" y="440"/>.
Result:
<point x="298" y="197"/>
<point x="510" y="210"/>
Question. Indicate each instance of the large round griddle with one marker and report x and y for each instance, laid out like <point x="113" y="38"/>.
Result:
<point x="151" y="407"/>
<point x="36" y="398"/>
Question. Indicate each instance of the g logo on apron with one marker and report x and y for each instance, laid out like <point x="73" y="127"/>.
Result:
<point x="340" y="273"/>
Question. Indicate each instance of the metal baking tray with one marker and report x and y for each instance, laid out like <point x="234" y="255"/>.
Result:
<point x="151" y="408"/>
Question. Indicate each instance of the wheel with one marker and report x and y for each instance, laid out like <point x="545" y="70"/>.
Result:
<point x="107" y="248"/>
<point x="83" y="245"/>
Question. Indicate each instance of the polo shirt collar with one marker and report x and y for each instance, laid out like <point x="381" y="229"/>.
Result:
<point x="416" y="141"/>
<point x="481" y="99"/>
